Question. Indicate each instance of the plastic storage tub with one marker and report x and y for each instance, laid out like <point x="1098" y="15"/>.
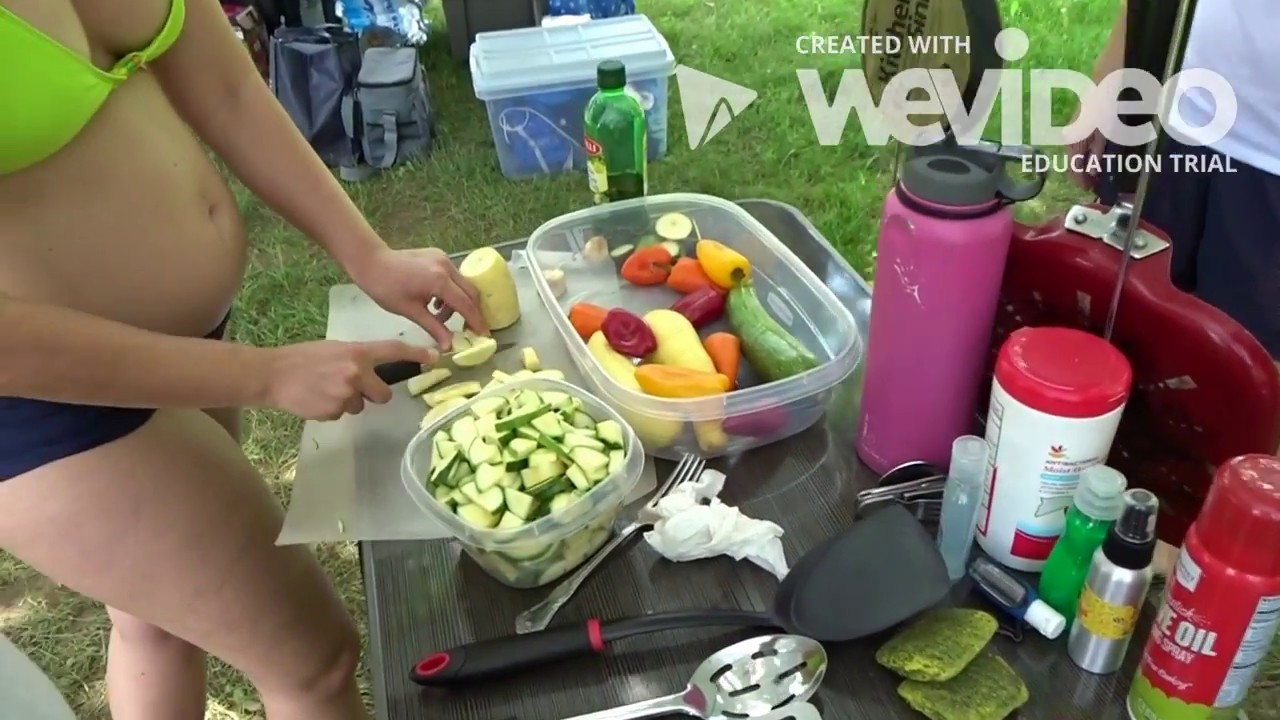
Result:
<point x="545" y="550"/>
<point x="754" y="415"/>
<point x="536" y="82"/>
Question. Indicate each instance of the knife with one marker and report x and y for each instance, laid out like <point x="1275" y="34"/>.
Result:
<point x="393" y="373"/>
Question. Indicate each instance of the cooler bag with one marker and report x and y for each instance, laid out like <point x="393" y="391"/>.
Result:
<point x="312" y="70"/>
<point x="1205" y="389"/>
<point x="389" y="113"/>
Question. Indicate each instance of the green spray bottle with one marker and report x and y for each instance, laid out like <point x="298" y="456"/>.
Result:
<point x="1096" y="506"/>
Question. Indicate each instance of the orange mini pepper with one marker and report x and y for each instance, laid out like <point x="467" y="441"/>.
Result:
<point x="670" y="381"/>
<point x="725" y="267"/>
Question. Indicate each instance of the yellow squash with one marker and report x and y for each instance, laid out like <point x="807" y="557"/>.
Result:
<point x="678" y="342"/>
<point x="653" y="432"/>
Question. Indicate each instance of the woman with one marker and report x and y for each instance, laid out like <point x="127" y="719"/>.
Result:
<point x="120" y="252"/>
<point x="1224" y="224"/>
<point x="1217" y="198"/>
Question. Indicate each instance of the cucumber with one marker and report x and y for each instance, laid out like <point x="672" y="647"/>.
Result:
<point x="548" y="424"/>
<point x="520" y="504"/>
<point x="464" y="431"/>
<point x="579" y="479"/>
<point x="489" y="475"/>
<point x="492" y="500"/>
<point x="617" y="459"/>
<point x="770" y="349"/>
<point x="478" y="516"/>
<point x="520" y="448"/>
<point x="594" y="463"/>
<point x="575" y="440"/>
<point x="514" y="459"/>
<point x="488" y="406"/>
<point x="610" y="433"/>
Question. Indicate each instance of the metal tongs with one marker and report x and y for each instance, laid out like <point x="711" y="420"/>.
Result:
<point x="916" y="485"/>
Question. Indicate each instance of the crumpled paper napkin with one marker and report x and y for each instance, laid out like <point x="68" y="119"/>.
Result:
<point x="693" y="524"/>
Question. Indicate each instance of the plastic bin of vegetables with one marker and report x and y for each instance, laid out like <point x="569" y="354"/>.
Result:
<point x="694" y="321"/>
<point x="529" y="476"/>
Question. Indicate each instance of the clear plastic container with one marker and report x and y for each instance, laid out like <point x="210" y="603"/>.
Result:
<point x="545" y="550"/>
<point x="754" y="415"/>
<point x="535" y="84"/>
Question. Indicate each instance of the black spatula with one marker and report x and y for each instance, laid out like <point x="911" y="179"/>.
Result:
<point x="883" y="570"/>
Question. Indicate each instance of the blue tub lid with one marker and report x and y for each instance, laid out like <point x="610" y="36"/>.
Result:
<point x="518" y="62"/>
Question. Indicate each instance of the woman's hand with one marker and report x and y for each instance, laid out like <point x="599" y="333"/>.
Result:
<point x="423" y="286"/>
<point x="327" y="379"/>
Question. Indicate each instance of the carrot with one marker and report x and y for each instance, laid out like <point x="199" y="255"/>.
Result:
<point x="726" y="351"/>
<point x="688" y="276"/>
<point x="587" y="319"/>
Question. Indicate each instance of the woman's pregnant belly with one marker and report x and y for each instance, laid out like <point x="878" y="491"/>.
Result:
<point x="131" y="222"/>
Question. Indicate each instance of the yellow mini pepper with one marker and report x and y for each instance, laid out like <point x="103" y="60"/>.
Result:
<point x="724" y="266"/>
<point x="669" y="381"/>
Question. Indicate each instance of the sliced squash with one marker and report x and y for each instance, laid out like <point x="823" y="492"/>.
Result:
<point x="479" y="352"/>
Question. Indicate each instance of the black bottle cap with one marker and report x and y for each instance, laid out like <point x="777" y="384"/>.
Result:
<point x="611" y="75"/>
<point x="1132" y="541"/>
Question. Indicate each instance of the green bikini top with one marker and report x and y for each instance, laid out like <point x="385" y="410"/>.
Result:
<point x="51" y="93"/>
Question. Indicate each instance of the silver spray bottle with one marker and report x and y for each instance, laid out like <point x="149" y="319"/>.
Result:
<point x="1116" y="587"/>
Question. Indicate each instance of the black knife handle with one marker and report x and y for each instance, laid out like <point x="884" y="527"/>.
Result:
<point x="398" y="371"/>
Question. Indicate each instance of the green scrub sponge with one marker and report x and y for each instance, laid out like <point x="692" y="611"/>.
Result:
<point x="988" y="689"/>
<point x="939" y="645"/>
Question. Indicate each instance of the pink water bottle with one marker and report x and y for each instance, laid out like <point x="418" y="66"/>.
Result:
<point x="944" y="237"/>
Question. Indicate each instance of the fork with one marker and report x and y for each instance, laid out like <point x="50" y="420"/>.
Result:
<point x="539" y="616"/>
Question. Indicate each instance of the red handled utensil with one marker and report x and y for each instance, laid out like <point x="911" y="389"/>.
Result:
<point x="882" y="571"/>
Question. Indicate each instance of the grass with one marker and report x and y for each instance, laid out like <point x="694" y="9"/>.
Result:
<point x="459" y="200"/>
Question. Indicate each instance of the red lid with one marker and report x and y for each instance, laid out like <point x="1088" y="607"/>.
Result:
<point x="1240" y="521"/>
<point x="1063" y="372"/>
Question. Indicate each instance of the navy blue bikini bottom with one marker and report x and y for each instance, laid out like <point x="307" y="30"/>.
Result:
<point x="34" y="433"/>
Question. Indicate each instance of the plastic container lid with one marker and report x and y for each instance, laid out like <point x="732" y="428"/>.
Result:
<point x="526" y="60"/>
<point x="1240" y="521"/>
<point x="1064" y="372"/>
<point x="1101" y="492"/>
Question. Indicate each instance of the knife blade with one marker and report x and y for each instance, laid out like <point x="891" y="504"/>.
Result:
<point x="394" y="373"/>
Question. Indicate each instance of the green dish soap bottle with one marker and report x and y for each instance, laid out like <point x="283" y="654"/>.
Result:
<point x="616" y="138"/>
<point x="1096" y="506"/>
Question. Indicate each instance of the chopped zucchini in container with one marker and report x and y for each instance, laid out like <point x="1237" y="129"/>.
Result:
<point x="516" y="458"/>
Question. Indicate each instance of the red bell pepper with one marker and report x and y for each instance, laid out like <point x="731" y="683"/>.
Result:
<point x="701" y="307"/>
<point x="647" y="266"/>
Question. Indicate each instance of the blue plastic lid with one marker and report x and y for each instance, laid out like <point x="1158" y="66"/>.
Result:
<point x="530" y="60"/>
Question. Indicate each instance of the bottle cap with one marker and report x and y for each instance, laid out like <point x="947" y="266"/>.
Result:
<point x="968" y="457"/>
<point x="611" y="75"/>
<point x="1137" y="523"/>
<point x="1046" y="621"/>
<point x="1101" y="493"/>
<point x="1241" y="515"/>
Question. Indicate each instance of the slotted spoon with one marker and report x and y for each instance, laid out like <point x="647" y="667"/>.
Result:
<point x="750" y="679"/>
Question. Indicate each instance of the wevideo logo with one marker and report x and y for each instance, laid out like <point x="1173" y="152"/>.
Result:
<point x="710" y="103"/>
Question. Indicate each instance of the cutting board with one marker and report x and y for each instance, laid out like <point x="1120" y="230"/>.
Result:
<point x="348" y="485"/>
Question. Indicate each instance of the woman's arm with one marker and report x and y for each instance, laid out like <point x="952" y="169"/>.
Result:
<point x="1112" y="56"/>
<point x="215" y="87"/>
<point x="53" y="353"/>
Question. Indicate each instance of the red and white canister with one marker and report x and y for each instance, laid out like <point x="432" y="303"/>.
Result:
<point x="1055" y="405"/>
